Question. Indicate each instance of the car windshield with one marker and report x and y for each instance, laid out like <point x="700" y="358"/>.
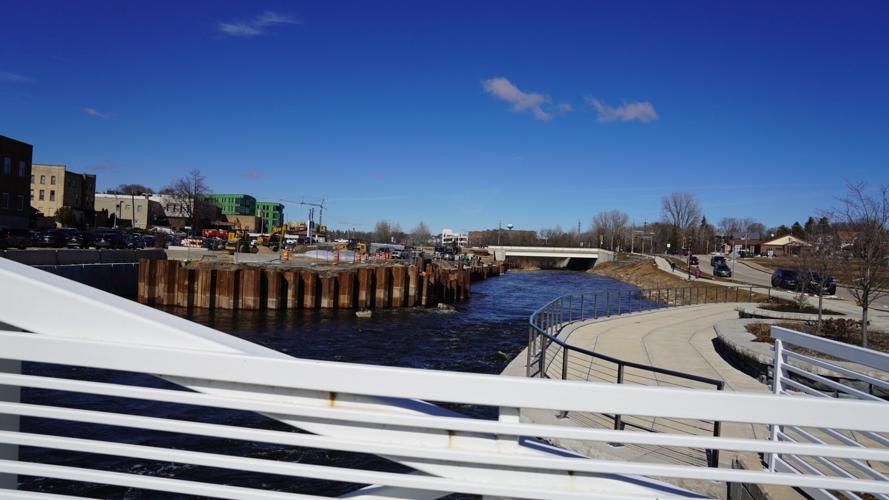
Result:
<point x="790" y="275"/>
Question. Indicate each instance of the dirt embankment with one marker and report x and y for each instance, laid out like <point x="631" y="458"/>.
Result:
<point x="645" y="275"/>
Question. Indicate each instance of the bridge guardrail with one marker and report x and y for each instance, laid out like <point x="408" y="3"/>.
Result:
<point x="346" y="407"/>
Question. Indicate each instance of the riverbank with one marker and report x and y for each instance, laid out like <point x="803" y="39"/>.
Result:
<point x="646" y="275"/>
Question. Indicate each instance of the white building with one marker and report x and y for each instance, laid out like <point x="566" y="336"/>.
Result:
<point x="135" y="210"/>
<point x="448" y="237"/>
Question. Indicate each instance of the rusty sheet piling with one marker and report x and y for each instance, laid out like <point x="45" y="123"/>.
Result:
<point x="210" y="285"/>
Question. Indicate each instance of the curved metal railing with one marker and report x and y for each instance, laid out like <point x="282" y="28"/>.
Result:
<point x="547" y="323"/>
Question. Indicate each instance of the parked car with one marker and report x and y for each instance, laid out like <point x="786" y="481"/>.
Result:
<point x="110" y="239"/>
<point x="814" y="284"/>
<point x="722" y="270"/>
<point x="148" y="240"/>
<point x="808" y="282"/>
<point x="77" y="239"/>
<point x="786" y="278"/>
<point x="14" y="238"/>
<point x="53" y="238"/>
<point x="716" y="259"/>
<point x="36" y="239"/>
<point x="135" y="241"/>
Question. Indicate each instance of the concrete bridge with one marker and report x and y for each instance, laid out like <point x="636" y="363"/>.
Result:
<point x="587" y="256"/>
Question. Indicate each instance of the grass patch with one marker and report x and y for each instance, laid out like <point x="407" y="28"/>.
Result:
<point x="645" y="275"/>
<point x="847" y="331"/>
<point x="790" y="307"/>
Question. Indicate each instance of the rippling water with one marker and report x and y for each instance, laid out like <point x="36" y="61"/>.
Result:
<point x="481" y="335"/>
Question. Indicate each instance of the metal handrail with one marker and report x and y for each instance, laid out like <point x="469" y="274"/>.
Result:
<point x="547" y="322"/>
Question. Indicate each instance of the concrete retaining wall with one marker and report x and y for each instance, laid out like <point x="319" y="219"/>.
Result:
<point x="120" y="279"/>
<point x="63" y="257"/>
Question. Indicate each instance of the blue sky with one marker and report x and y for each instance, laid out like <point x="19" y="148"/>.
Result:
<point x="461" y="114"/>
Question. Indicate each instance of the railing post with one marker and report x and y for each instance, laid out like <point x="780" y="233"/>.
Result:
<point x="510" y="415"/>
<point x="570" y="306"/>
<point x="564" y="363"/>
<point x="582" y="296"/>
<point x="750" y="295"/>
<point x="737" y="294"/>
<point x="529" y="349"/>
<point x="618" y="302"/>
<point x="607" y="304"/>
<point x="618" y="422"/>
<point x="596" y="305"/>
<point x="658" y="296"/>
<point x="778" y="361"/>
<point x="717" y="431"/>
<point x="9" y="422"/>
<point x="542" y="358"/>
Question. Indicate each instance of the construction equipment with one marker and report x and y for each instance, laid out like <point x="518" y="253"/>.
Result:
<point x="240" y="241"/>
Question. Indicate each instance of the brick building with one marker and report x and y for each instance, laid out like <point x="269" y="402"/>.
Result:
<point x="54" y="187"/>
<point x="15" y="171"/>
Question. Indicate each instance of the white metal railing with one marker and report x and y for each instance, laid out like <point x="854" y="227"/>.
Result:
<point x="799" y="374"/>
<point x="373" y="409"/>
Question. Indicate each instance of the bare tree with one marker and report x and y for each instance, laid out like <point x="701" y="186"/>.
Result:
<point x="820" y="262"/>
<point x="611" y="225"/>
<point x="681" y="209"/>
<point x="383" y="231"/>
<point x="420" y="234"/>
<point x="866" y="216"/>
<point x="131" y="189"/>
<point x="190" y="193"/>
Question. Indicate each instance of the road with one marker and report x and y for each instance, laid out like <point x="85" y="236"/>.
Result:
<point x="747" y="274"/>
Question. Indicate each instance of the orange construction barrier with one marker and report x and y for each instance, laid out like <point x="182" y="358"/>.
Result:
<point x="285" y="255"/>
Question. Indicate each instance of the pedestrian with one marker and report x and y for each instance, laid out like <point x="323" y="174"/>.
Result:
<point x="673" y="266"/>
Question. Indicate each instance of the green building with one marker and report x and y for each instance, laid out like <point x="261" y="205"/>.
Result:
<point x="234" y="204"/>
<point x="272" y="214"/>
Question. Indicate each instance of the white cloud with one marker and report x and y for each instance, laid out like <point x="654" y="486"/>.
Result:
<point x="642" y="111"/>
<point x="565" y="107"/>
<point x="94" y="112"/>
<point x="6" y="76"/>
<point x="521" y="101"/>
<point x="257" y="26"/>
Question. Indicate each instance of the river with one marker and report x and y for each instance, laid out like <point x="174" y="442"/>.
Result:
<point x="480" y="335"/>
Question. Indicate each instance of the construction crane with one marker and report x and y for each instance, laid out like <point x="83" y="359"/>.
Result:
<point x="304" y="202"/>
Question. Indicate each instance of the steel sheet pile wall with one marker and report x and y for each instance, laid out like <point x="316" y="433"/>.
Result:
<point x="227" y="286"/>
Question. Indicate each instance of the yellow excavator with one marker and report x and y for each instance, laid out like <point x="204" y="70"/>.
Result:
<point x="239" y="241"/>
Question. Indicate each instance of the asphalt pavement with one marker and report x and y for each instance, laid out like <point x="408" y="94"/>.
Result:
<point x="747" y="274"/>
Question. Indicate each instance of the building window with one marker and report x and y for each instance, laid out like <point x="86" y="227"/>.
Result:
<point x="52" y="180"/>
<point x="32" y="178"/>
<point x="4" y="200"/>
<point x="7" y="166"/>
<point x="52" y="195"/>
<point x="32" y="195"/>
<point x="20" y="205"/>
<point x="41" y="195"/>
<point x="138" y="208"/>
<point x="43" y="179"/>
<point x="21" y="169"/>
